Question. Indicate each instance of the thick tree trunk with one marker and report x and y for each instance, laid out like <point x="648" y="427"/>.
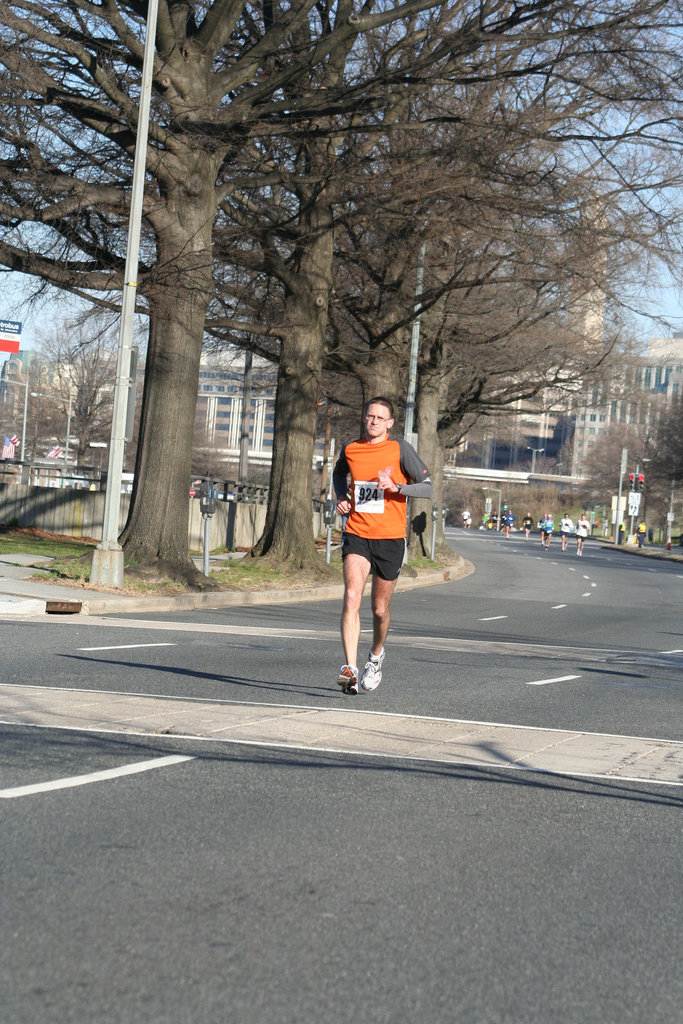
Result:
<point x="287" y="538"/>
<point x="156" y="534"/>
<point x="381" y="375"/>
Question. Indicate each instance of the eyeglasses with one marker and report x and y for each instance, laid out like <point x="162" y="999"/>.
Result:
<point x="380" y="419"/>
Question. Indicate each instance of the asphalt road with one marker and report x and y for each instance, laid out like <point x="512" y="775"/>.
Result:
<point x="252" y="884"/>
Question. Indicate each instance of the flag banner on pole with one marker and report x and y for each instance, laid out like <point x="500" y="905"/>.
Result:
<point x="54" y="452"/>
<point x="10" y="335"/>
<point x="9" y="445"/>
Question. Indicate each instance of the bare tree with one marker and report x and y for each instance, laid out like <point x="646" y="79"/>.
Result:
<point x="255" y="109"/>
<point x="82" y="355"/>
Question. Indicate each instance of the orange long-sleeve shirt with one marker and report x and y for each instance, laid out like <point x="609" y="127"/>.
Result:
<point x="375" y="514"/>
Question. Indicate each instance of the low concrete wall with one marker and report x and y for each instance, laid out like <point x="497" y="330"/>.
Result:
<point x="235" y="524"/>
<point x="57" y="509"/>
<point x="81" y="514"/>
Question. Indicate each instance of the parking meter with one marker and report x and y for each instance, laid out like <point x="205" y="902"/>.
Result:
<point x="435" y="517"/>
<point x="207" y="498"/>
<point x="207" y="504"/>
<point x="329" y="512"/>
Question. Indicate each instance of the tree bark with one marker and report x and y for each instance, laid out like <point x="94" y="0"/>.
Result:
<point x="156" y="533"/>
<point x="430" y="451"/>
<point x="287" y="537"/>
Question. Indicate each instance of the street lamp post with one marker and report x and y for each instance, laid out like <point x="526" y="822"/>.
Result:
<point x="499" y="501"/>
<point x="408" y="427"/>
<point x="670" y="518"/>
<point x="68" y="433"/>
<point x="107" y="560"/>
<point x="533" y="456"/>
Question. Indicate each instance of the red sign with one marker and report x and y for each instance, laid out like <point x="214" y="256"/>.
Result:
<point x="10" y="335"/>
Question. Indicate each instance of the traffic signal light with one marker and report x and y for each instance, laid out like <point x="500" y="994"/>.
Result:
<point x="632" y="480"/>
<point x="641" y="482"/>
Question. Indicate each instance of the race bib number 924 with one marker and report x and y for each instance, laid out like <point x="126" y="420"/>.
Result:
<point x="368" y="496"/>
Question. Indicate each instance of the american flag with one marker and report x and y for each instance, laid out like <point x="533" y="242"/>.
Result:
<point x="9" y="445"/>
<point x="54" y="452"/>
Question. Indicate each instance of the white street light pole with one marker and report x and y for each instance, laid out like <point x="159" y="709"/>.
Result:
<point x="107" y="561"/>
<point x="408" y="432"/>
<point x="23" y="433"/>
<point x="670" y="518"/>
<point x="617" y="519"/>
<point x="533" y="456"/>
<point x="68" y="433"/>
<point x="500" y="492"/>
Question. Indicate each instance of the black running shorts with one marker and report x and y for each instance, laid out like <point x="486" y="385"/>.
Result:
<point x="385" y="556"/>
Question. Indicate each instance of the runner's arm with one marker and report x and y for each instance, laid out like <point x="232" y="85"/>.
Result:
<point x="420" y="484"/>
<point x="340" y="475"/>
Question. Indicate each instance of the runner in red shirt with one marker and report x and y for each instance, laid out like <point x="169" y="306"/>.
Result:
<point x="383" y="470"/>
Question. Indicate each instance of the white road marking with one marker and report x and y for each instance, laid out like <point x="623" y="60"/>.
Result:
<point x="675" y="651"/>
<point x="456" y="644"/>
<point x="123" y="647"/>
<point x="587" y="594"/>
<point x="593" y="584"/>
<point x="557" y="679"/>
<point x="492" y="618"/>
<point x="84" y="780"/>
<point x="556" y="606"/>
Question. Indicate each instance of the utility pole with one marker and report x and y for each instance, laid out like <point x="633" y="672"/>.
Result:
<point x="670" y="518"/>
<point x="243" y="472"/>
<point x="107" y="559"/>
<point x="408" y="430"/>
<point x="617" y="515"/>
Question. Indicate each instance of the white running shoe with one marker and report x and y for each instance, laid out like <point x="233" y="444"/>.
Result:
<point x="348" y="679"/>
<point x="372" y="673"/>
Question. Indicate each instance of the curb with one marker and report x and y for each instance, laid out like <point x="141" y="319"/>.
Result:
<point x="647" y="551"/>
<point x="92" y="604"/>
<point x="15" y="606"/>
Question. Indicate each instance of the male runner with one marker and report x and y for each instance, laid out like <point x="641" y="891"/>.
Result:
<point x="383" y="471"/>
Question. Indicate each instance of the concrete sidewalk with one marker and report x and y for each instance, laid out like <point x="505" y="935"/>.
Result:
<point x="21" y="596"/>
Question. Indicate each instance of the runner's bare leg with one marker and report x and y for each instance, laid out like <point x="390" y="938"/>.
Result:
<point x="356" y="570"/>
<point x="381" y="613"/>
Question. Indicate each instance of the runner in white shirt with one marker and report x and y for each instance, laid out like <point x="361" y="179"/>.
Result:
<point x="566" y="529"/>
<point x="582" y="529"/>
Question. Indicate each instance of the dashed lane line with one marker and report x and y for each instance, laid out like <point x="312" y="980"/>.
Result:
<point x="124" y="647"/>
<point x="556" y="679"/>
<point x="454" y="644"/>
<point x="85" y="780"/>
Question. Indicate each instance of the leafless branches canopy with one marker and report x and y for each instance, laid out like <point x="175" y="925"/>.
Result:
<point x="300" y="156"/>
